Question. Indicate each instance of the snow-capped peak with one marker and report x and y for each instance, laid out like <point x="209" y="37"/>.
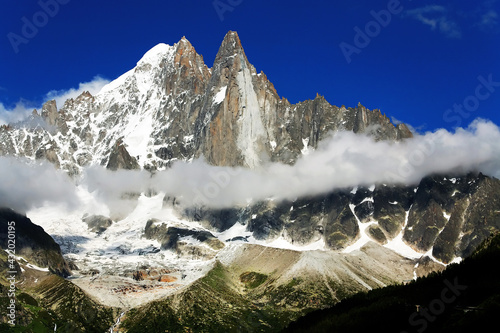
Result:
<point x="156" y="54"/>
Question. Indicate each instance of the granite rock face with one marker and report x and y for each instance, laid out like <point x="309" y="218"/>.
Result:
<point x="188" y="242"/>
<point x="171" y="106"/>
<point x="97" y="223"/>
<point x="120" y="158"/>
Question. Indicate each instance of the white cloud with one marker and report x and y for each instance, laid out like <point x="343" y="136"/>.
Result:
<point x="437" y="18"/>
<point x="23" y="108"/>
<point x="489" y="19"/>
<point x="20" y="111"/>
<point x="24" y="185"/>
<point x="342" y="161"/>
<point x="60" y="96"/>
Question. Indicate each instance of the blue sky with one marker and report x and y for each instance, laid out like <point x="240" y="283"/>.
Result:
<point x="432" y="64"/>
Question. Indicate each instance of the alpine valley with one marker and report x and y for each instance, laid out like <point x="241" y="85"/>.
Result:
<point x="148" y="260"/>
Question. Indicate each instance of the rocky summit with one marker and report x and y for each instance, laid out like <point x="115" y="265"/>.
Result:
<point x="171" y="106"/>
<point x="145" y="262"/>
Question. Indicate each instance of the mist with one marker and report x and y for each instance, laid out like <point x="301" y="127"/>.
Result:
<point x="341" y="161"/>
<point x="25" y="184"/>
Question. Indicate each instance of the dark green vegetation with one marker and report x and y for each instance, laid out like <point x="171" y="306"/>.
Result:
<point x="252" y="279"/>
<point x="55" y="301"/>
<point x="462" y="298"/>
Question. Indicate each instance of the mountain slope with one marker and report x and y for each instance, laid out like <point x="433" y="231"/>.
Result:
<point x="32" y="242"/>
<point x="260" y="289"/>
<point x="443" y="217"/>
<point x="463" y="298"/>
<point x="43" y="300"/>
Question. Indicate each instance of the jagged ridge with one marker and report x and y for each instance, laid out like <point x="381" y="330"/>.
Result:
<point x="171" y="106"/>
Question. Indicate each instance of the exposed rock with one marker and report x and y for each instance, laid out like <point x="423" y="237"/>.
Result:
<point x="172" y="238"/>
<point x="471" y="202"/>
<point x="426" y="265"/>
<point x="33" y="243"/>
<point x="97" y="223"/>
<point x="120" y="158"/>
<point x="229" y="114"/>
<point x="49" y="113"/>
<point x="377" y="234"/>
<point x="167" y="278"/>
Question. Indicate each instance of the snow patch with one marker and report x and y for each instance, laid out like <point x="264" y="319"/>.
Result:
<point x="305" y="149"/>
<point x="137" y="135"/>
<point x="156" y="54"/>
<point x="251" y="129"/>
<point x="220" y="96"/>
<point x="116" y="83"/>
<point x="362" y="230"/>
<point x="399" y="246"/>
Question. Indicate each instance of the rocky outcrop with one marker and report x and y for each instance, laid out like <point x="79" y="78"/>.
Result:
<point x="160" y="275"/>
<point x="97" y="223"/>
<point x="189" y="242"/>
<point x="454" y="215"/>
<point x="32" y="242"/>
<point x="120" y="158"/>
<point x="244" y="122"/>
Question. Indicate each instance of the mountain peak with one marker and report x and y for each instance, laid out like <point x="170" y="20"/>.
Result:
<point x="232" y="36"/>
<point x="184" y="46"/>
<point x="231" y="45"/>
<point x="184" y="43"/>
<point x="155" y="54"/>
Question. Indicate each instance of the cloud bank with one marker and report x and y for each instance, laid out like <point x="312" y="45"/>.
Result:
<point x="25" y="185"/>
<point x="342" y="161"/>
<point x="24" y="108"/>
